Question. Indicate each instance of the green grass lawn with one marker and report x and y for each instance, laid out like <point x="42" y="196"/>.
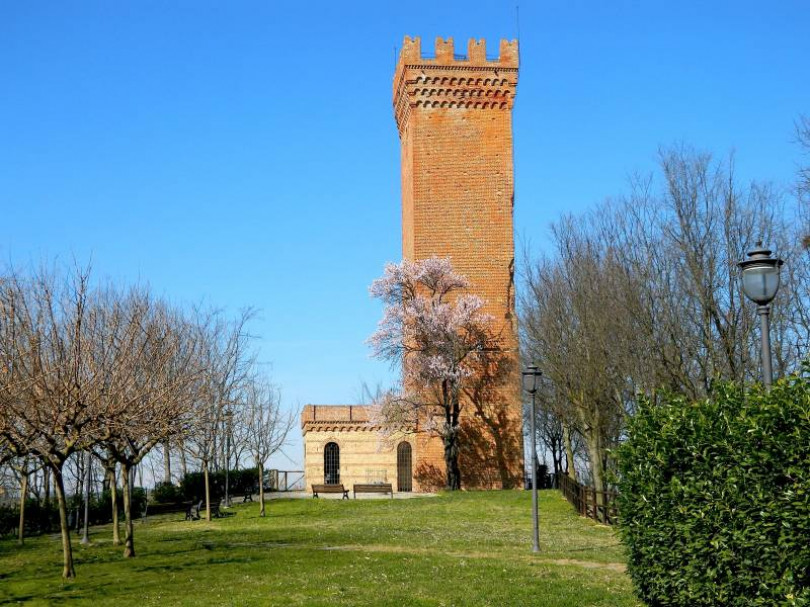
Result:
<point x="468" y="548"/>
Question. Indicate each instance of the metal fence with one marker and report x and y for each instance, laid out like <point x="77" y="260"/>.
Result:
<point x="284" y="480"/>
<point x="597" y="505"/>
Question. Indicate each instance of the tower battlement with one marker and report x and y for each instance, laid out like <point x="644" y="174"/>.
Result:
<point x="448" y="80"/>
<point x="445" y="53"/>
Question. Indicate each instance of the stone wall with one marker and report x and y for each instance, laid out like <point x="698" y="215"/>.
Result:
<point x="366" y="454"/>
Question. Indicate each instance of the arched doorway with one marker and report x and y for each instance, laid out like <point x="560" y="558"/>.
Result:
<point x="331" y="464"/>
<point x="404" y="473"/>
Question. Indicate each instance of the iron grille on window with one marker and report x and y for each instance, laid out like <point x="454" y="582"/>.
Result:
<point x="404" y="474"/>
<point x="331" y="464"/>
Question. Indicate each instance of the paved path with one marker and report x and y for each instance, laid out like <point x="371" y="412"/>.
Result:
<point x="274" y="495"/>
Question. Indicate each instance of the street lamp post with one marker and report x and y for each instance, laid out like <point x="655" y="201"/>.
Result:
<point x="531" y="379"/>
<point x="760" y="282"/>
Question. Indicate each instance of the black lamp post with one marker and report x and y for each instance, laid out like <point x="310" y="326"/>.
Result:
<point x="531" y="381"/>
<point x="760" y="282"/>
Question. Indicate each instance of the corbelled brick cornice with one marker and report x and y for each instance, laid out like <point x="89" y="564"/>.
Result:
<point x="470" y="81"/>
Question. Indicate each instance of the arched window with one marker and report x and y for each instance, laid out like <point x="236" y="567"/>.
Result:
<point x="404" y="475"/>
<point x="331" y="464"/>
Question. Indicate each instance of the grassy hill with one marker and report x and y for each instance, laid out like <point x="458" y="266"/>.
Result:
<point x="468" y="548"/>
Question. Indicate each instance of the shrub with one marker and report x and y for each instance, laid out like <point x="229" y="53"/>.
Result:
<point x="166" y="493"/>
<point x="41" y="517"/>
<point x="715" y="498"/>
<point x="192" y="485"/>
<point x="100" y="506"/>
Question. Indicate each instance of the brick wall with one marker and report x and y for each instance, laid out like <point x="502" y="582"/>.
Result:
<point x="454" y="116"/>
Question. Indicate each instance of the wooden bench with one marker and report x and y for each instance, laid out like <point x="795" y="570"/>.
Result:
<point x="374" y="488"/>
<point x="316" y="489"/>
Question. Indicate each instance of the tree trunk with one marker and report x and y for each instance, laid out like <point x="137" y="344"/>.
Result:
<point x="114" y="500"/>
<point x="46" y="473"/>
<point x="105" y="482"/>
<point x="595" y="454"/>
<point x="214" y="455"/>
<point x="183" y="466"/>
<point x="129" y="540"/>
<point x="555" y="446"/>
<point x="571" y="469"/>
<point x="261" y="489"/>
<point x="207" y="491"/>
<point x="167" y="463"/>
<point x="451" y="459"/>
<point x="450" y="435"/>
<point x="68" y="571"/>
<point x="23" y="495"/>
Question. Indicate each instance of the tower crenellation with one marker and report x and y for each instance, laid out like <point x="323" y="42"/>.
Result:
<point x="445" y="54"/>
<point x="447" y="80"/>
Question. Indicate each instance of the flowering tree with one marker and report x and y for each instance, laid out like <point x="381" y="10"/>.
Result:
<point x="442" y="338"/>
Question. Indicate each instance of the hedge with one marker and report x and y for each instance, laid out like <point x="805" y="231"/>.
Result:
<point x="714" y="498"/>
<point x="192" y="485"/>
<point x="42" y="517"/>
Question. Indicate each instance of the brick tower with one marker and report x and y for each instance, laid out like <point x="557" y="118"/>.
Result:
<point x="454" y="115"/>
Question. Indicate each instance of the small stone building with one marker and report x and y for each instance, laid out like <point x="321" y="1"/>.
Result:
<point x="343" y="446"/>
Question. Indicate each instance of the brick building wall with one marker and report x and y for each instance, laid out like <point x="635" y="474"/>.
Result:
<point x="454" y="116"/>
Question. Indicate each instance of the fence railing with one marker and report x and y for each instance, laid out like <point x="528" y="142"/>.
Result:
<point x="597" y="505"/>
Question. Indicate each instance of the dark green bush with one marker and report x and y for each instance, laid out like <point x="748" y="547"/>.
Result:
<point x="39" y="517"/>
<point x="715" y="498"/>
<point x="100" y="506"/>
<point x="42" y="518"/>
<point x="192" y="485"/>
<point x="166" y="493"/>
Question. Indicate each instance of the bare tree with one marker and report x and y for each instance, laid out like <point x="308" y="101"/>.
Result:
<point x="50" y="405"/>
<point x="554" y="429"/>
<point x="644" y="292"/>
<point x="266" y="427"/>
<point x="570" y="328"/>
<point x="149" y="359"/>
<point x="226" y="361"/>
<point x="803" y="139"/>
<point x="23" y="467"/>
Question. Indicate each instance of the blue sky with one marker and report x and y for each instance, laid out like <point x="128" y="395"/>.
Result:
<point x="246" y="155"/>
